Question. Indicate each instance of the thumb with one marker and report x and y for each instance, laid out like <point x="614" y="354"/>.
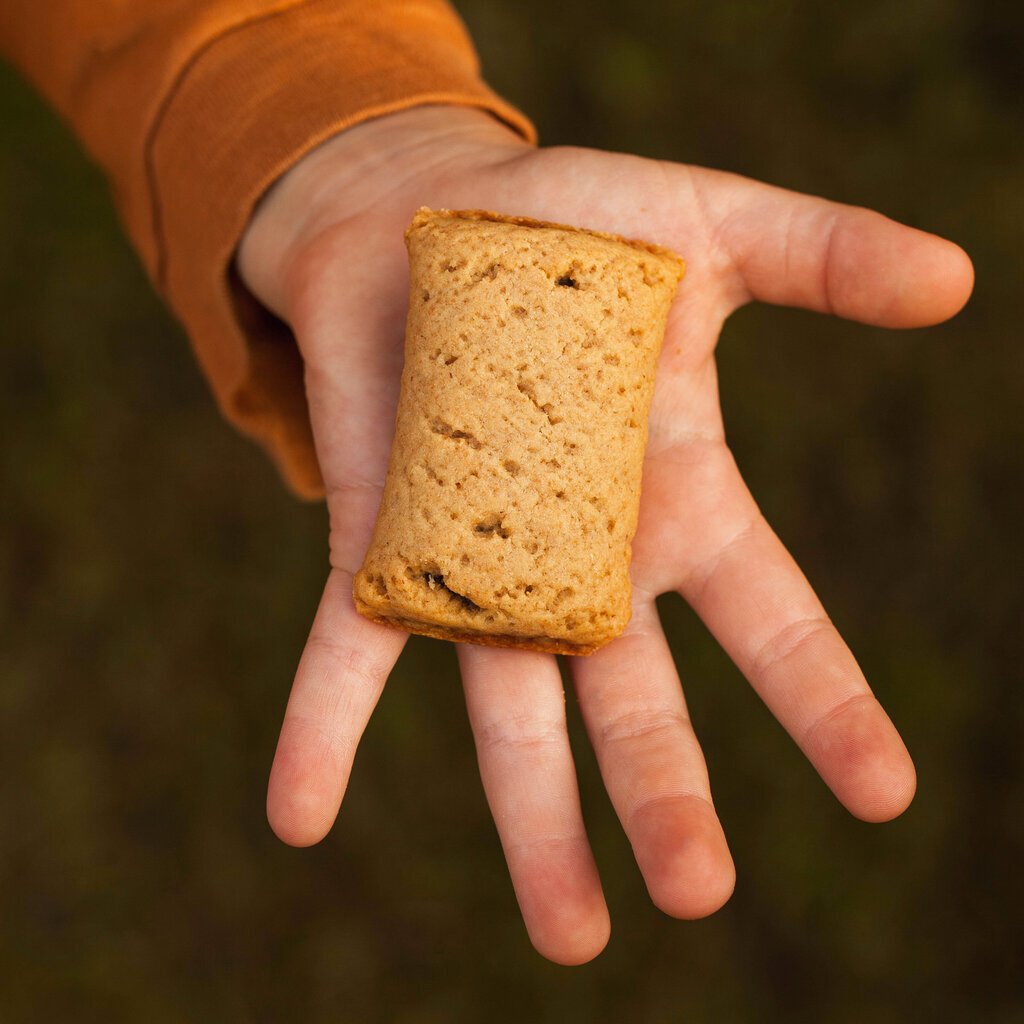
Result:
<point x="798" y="250"/>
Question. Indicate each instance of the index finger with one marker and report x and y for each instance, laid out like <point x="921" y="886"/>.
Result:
<point x="742" y="582"/>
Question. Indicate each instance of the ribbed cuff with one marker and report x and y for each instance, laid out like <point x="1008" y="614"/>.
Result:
<point x="249" y="106"/>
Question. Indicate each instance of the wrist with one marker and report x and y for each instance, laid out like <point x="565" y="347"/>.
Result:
<point x="350" y="172"/>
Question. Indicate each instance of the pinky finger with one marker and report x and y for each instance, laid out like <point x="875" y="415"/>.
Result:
<point x="340" y="677"/>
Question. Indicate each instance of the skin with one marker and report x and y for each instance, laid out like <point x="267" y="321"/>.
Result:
<point x="700" y="533"/>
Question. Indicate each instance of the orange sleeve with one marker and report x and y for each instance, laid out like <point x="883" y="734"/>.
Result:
<point x="194" y="107"/>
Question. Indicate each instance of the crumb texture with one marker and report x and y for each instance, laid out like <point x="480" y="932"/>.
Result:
<point x="512" y="493"/>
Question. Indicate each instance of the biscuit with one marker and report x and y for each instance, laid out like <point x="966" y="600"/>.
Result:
<point x="512" y="492"/>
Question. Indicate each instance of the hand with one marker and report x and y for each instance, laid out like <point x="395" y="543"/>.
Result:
<point x="325" y="252"/>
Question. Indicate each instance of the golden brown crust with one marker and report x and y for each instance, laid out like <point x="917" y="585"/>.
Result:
<point x="546" y="645"/>
<point x="424" y="215"/>
<point x="511" y="497"/>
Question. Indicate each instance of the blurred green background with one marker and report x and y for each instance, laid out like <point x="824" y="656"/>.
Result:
<point x="157" y="585"/>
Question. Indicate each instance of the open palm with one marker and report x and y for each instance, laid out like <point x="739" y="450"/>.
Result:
<point x="342" y="281"/>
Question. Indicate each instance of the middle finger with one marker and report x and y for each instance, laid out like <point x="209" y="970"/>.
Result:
<point x="653" y="768"/>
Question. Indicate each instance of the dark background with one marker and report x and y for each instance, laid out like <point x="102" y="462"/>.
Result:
<point x="157" y="584"/>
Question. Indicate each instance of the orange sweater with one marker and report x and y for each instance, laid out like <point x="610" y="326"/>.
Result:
<point x="193" y="108"/>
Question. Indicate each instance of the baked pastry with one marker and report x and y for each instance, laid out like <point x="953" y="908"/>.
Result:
<point x="512" y="492"/>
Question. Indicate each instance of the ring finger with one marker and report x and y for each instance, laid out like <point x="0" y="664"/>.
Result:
<point x="516" y="707"/>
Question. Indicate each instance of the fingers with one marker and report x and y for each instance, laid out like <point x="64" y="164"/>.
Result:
<point x="339" y="679"/>
<point x="799" y="250"/>
<point x="653" y="768"/>
<point x="516" y="709"/>
<point x="752" y="596"/>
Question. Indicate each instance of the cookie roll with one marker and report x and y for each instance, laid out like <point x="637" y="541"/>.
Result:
<point x="512" y="492"/>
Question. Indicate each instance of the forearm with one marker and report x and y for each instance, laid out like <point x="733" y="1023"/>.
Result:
<point x="195" y="108"/>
